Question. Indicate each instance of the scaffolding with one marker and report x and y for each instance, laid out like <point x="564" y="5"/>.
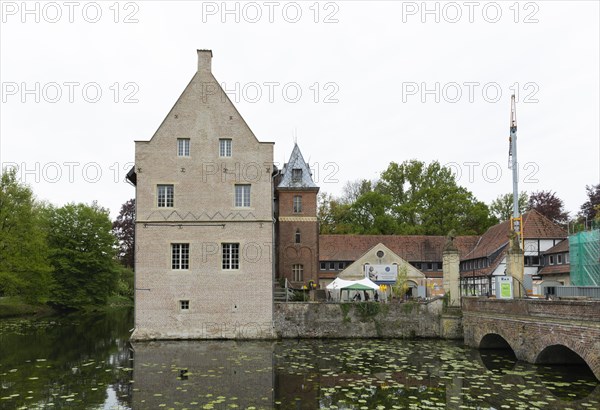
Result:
<point x="584" y="250"/>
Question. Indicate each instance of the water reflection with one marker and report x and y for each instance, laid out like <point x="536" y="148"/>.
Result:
<point x="70" y="361"/>
<point x="85" y="362"/>
<point x="214" y="374"/>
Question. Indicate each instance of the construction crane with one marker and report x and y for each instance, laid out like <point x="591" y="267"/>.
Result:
<point x="516" y="222"/>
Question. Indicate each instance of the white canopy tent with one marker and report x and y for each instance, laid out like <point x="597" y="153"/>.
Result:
<point x="336" y="287"/>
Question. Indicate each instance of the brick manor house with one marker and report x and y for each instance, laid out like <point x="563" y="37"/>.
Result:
<point x="218" y="224"/>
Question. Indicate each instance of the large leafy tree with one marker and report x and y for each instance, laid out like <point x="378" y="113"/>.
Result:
<point x="589" y="209"/>
<point x="549" y="205"/>
<point x="426" y="199"/>
<point x="24" y="266"/>
<point x="502" y="206"/>
<point x="124" y="229"/>
<point x="83" y="254"/>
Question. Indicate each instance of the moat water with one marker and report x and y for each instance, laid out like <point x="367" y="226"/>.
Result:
<point x="86" y="362"/>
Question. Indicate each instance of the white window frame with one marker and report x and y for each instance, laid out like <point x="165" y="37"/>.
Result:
<point x="242" y="195"/>
<point x="230" y="256"/>
<point x="551" y="260"/>
<point x="297" y="204"/>
<point x="180" y="256"/>
<point x="225" y="147"/>
<point x="298" y="272"/>
<point x="559" y="259"/>
<point x="183" y="147"/>
<point x="165" y="195"/>
<point x="297" y="236"/>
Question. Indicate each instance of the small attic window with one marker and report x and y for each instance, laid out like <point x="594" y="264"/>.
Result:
<point x="380" y="254"/>
<point x="296" y="174"/>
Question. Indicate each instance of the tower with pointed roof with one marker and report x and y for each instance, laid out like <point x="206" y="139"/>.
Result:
<point x="297" y="228"/>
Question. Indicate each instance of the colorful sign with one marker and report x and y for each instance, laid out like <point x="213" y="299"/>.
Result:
<point x="382" y="273"/>
<point x="504" y="287"/>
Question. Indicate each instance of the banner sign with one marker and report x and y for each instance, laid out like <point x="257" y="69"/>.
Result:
<point x="382" y="273"/>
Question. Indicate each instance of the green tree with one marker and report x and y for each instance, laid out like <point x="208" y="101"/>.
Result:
<point x="83" y="254"/>
<point x="502" y="206"/>
<point x="369" y="215"/>
<point x="24" y="266"/>
<point x="426" y="199"/>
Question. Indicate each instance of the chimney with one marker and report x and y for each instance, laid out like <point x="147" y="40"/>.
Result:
<point x="204" y="59"/>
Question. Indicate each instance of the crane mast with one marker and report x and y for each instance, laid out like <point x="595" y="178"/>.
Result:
<point x="516" y="220"/>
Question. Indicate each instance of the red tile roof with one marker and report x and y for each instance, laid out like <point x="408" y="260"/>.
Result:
<point x="535" y="226"/>
<point x="560" y="247"/>
<point x="555" y="269"/>
<point x="412" y="248"/>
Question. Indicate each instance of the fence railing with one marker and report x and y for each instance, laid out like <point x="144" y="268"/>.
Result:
<point x="581" y="291"/>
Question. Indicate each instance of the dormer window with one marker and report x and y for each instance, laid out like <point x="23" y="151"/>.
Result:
<point x="296" y="174"/>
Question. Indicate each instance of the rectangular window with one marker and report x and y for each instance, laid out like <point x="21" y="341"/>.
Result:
<point x="298" y="273"/>
<point x="430" y="266"/>
<point x="165" y="194"/>
<point x="183" y="147"/>
<point x="242" y="195"/>
<point x="297" y="204"/>
<point x="535" y="260"/>
<point x="231" y="256"/>
<point x="558" y="259"/>
<point x="340" y="265"/>
<point x="331" y="265"/>
<point x="180" y="256"/>
<point x="224" y="147"/>
<point x="323" y="266"/>
<point x="184" y="304"/>
<point x="296" y="174"/>
<point x="566" y="258"/>
<point x="551" y="260"/>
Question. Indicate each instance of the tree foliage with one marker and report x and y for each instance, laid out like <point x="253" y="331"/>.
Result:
<point x="502" y="206"/>
<point x="549" y="205"/>
<point x="589" y="209"/>
<point x="410" y="198"/>
<point x="24" y="266"/>
<point x="82" y="252"/>
<point x="124" y="229"/>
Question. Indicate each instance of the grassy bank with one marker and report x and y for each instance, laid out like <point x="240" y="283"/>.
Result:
<point x="15" y="306"/>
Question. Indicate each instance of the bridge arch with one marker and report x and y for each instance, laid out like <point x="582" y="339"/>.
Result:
<point x="494" y="341"/>
<point x="559" y="354"/>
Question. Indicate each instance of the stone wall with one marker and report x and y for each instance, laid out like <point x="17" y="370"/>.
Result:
<point x="366" y="320"/>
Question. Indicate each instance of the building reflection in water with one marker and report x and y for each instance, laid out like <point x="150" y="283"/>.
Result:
<point x="189" y="373"/>
<point x="309" y="374"/>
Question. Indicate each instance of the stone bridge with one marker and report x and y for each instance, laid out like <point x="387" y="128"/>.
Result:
<point x="537" y="330"/>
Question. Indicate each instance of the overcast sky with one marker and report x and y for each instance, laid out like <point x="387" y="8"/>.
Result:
<point x="358" y="84"/>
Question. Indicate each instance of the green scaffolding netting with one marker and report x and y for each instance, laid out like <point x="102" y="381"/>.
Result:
<point x="584" y="250"/>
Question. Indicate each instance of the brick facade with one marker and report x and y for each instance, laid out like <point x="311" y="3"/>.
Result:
<point x="221" y="302"/>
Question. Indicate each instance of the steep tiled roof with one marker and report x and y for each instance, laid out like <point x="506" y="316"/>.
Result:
<point x="535" y="226"/>
<point x="296" y="162"/>
<point x="555" y="269"/>
<point x="413" y="248"/>
<point x="560" y="247"/>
